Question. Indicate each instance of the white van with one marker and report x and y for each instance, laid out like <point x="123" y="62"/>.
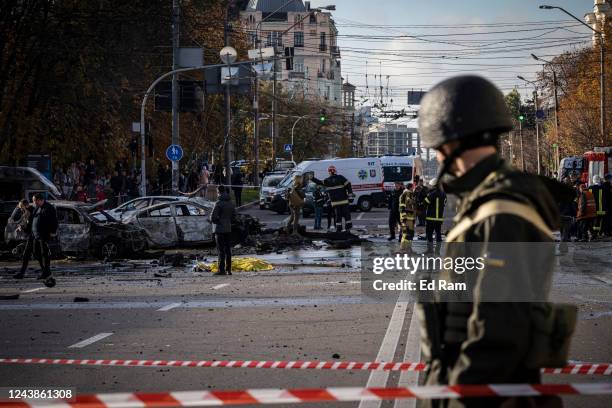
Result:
<point x="400" y="168"/>
<point x="364" y="174"/>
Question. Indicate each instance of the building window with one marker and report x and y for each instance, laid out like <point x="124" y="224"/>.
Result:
<point x="298" y="64"/>
<point x="298" y="22"/>
<point x="313" y="18"/>
<point x="322" y="66"/>
<point x="322" y="43"/>
<point x="274" y="38"/>
<point x="298" y="39"/>
<point x="252" y="38"/>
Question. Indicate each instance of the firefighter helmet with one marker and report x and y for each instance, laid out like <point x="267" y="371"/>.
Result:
<point x="466" y="108"/>
<point x="331" y="169"/>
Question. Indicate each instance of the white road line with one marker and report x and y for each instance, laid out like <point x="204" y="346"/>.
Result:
<point x="360" y="216"/>
<point x="412" y="353"/>
<point x="219" y="286"/>
<point x="169" y="307"/>
<point x="33" y="290"/>
<point x="382" y="226"/>
<point x="387" y="349"/>
<point x="90" y="340"/>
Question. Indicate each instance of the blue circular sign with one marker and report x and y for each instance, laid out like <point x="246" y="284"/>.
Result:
<point x="174" y="152"/>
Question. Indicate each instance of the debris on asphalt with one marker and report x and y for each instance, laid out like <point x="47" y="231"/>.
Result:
<point x="9" y="297"/>
<point x="79" y="299"/>
<point x="174" y="260"/>
<point x="162" y="275"/>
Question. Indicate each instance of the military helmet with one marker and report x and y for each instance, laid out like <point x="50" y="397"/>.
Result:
<point x="461" y="108"/>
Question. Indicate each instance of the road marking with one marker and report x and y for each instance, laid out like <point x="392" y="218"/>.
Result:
<point x="382" y="226"/>
<point x="90" y="340"/>
<point x="219" y="286"/>
<point x="412" y="353"/>
<point x="360" y="216"/>
<point x="33" y="290"/>
<point x="387" y="348"/>
<point x="169" y="307"/>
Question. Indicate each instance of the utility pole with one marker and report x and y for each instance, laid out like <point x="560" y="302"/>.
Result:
<point x="273" y="126"/>
<point x="557" y="158"/>
<point x="521" y="144"/>
<point x="176" y="18"/>
<point x="256" y="131"/>
<point x="537" y="127"/>
<point x="228" y="113"/>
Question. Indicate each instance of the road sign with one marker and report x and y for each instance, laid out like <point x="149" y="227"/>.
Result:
<point x="174" y="152"/>
<point x="539" y="114"/>
<point x="288" y="148"/>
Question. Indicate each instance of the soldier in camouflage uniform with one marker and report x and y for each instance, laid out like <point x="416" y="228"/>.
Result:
<point x="484" y="342"/>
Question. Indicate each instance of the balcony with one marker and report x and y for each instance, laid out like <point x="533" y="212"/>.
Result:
<point x="320" y="74"/>
<point x="296" y="75"/>
<point x="330" y="75"/>
<point x="335" y="51"/>
<point x="322" y="47"/>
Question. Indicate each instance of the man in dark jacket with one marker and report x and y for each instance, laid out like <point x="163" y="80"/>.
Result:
<point x="487" y="339"/>
<point x="23" y="216"/>
<point x="394" y="212"/>
<point x="339" y="190"/>
<point x="44" y="227"/>
<point x="222" y="215"/>
<point x="237" y="182"/>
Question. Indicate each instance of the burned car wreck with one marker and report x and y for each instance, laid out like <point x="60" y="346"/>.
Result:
<point x="80" y="234"/>
<point x="185" y="224"/>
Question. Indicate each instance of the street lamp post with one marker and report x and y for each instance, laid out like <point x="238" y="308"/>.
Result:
<point x="602" y="75"/>
<point x="292" y="129"/>
<point x="143" y="159"/>
<point x="537" y="128"/>
<point x="556" y="100"/>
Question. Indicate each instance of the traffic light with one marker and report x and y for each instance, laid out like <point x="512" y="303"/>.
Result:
<point x="322" y="117"/>
<point x="521" y="117"/>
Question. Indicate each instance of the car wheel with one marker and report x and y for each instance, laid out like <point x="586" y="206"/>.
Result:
<point x="109" y="250"/>
<point x="364" y="204"/>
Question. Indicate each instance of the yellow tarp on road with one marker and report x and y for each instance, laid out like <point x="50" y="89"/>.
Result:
<point x="239" y="265"/>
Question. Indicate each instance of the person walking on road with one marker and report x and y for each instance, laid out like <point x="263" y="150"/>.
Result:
<point x="434" y="213"/>
<point x="480" y="341"/>
<point x="237" y="183"/>
<point x="224" y="212"/>
<point x="295" y="198"/>
<point x="339" y="190"/>
<point x="420" y="194"/>
<point x="44" y="227"/>
<point x="394" y="209"/>
<point x="331" y="216"/>
<point x="23" y="216"/>
<point x="318" y="198"/>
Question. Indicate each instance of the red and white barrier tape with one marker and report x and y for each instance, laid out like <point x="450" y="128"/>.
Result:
<point x="579" y="368"/>
<point x="284" y="396"/>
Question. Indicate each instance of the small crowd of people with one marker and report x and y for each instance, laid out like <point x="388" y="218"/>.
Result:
<point x="414" y="204"/>
<point x="38" y="222"/>
<point x="589" y="216"/>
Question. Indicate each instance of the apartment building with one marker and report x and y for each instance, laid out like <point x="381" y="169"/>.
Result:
<point x="310" y="34"/>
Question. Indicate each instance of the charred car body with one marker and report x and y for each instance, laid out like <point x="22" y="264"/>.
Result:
<point x="80" y="234"/>
<point x="185" y="223"/>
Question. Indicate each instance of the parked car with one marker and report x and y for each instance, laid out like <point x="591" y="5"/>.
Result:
<point x="81" y="234"/>
<point x="268" y="185"/>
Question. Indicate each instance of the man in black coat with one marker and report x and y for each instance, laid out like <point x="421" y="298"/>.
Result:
<point x="222" y="216"/>
<point x="44" y="227"/>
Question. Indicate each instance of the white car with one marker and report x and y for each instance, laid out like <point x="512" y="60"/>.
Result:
<point x="268" y="185"/>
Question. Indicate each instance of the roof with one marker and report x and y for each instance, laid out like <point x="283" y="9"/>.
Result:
<point x="268" y="6"/>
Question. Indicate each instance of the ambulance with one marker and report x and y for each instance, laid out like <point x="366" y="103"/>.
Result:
<point x="364" y="174"/>
<point x="400" y="168"/>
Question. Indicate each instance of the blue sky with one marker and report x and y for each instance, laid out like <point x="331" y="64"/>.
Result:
<point x="468" y="36"/>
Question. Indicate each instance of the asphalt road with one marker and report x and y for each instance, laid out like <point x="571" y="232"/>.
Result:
<point x="308" y="308"/>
